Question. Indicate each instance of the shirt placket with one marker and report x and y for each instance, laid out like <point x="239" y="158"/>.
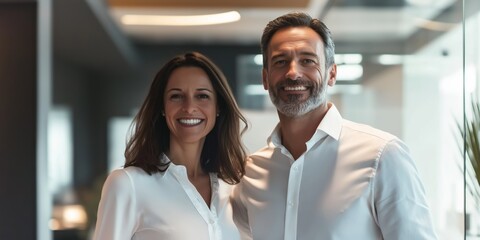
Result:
<point x="215" y="232"/>
<point x="293" y="190"/>
<point x="209" y="215"/>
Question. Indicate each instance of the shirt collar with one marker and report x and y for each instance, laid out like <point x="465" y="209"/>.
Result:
<point x="330" y="125"/>
<point x="172" y="168"/>
<point x="180" y="169"/>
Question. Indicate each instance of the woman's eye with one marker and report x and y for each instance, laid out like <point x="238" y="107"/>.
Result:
<point x="203" y="96"/>
<point x="176" y="97"/>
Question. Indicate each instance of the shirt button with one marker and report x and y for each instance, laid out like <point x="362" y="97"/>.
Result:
<point x="290" y="203"/>
<point x="211" y="221"/>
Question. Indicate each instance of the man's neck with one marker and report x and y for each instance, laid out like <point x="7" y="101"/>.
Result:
<point x="295" y="132"/>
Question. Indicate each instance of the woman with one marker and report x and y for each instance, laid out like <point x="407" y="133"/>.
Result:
<point x="185" y="148"/>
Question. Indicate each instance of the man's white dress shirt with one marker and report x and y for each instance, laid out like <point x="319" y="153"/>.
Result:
<point x="138" y="206"/>
<point x="353" y="182"/>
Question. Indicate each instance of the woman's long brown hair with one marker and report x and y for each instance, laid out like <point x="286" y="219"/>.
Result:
<point x="223" y="152"/>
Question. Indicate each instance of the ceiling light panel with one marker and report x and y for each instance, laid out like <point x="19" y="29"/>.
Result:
<point x="181" y="20"/>
<point x="211" y="3"/>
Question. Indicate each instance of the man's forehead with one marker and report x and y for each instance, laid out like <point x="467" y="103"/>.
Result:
<point x="302" y="38"/>
<point x="296" y="48"/>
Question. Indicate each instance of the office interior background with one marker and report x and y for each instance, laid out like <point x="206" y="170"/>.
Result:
<point x="74" y="72"/>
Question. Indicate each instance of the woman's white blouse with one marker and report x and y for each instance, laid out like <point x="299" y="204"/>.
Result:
<point x="138" y="206"/>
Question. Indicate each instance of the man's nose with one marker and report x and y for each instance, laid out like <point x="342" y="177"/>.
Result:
<point x="294" y="71"/>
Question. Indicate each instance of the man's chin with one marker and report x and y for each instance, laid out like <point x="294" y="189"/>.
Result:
<point x="291" y="110"/>
<point x="295" y="98"/>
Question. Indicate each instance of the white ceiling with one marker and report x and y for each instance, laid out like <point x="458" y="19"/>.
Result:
<point x="357" y="23"/>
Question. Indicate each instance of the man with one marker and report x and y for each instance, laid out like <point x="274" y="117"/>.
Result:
<point x="320" y="176"/>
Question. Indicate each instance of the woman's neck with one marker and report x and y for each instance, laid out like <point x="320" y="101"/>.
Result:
<point x="187" y="155"/>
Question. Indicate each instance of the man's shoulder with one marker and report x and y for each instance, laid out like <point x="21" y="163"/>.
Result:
<point x="264" y="152"/>
<point x="351" y="128"/>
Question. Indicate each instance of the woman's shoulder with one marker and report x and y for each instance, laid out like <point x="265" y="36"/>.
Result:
<point x="127" y="175"/>
<point x="127" y="179"/>
<point x="134" y="173"/>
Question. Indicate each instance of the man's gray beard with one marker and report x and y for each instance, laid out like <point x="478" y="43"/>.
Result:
<point x="294" y="107"/>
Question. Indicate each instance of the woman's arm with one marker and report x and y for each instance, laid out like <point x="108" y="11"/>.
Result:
<point x="117" y="214"/>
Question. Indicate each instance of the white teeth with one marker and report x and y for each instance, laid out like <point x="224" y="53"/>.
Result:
<point x="190" y="121"/>
<point x="296" y="88"/>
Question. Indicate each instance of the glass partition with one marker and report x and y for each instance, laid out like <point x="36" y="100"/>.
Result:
<point x="471" y="75"/>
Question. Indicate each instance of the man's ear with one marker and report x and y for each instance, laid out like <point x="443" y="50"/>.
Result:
<point x="264" y="78"/>
<point x="332" y="75"/>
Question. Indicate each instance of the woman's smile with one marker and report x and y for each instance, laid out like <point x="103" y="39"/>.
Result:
<point x="190" y="121"/>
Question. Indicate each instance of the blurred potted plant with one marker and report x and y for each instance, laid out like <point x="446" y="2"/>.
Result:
<point x="470" y="131"/>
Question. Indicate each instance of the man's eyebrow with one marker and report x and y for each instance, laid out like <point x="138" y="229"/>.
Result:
<point x="303" y="53"/>
<point x="309" y="54"/>
<point x="280" y="55"/>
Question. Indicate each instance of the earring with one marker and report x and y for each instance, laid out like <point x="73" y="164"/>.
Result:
<point x="218" y="114"/>
<point x="163" y="114"/>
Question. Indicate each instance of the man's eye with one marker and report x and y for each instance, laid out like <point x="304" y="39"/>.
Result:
<point x="308" y="61"/>
<point x="280" y="62"/>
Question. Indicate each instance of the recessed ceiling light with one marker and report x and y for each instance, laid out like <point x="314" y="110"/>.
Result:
<point x="351" y="58"/>
<point x="258" y="59"/>
<point x="186" y="20"/>
<point x="435" y="25"/>
<point x="349" y="72"/>
<point x="389" y="59"/>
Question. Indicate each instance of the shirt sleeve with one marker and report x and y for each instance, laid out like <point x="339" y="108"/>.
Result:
<point x="240" y="214"/>
<point x="399" y="197"/>
<point x="116" y="217"/>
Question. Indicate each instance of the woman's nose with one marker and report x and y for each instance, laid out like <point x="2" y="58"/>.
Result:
<point x="188" y="105"/>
